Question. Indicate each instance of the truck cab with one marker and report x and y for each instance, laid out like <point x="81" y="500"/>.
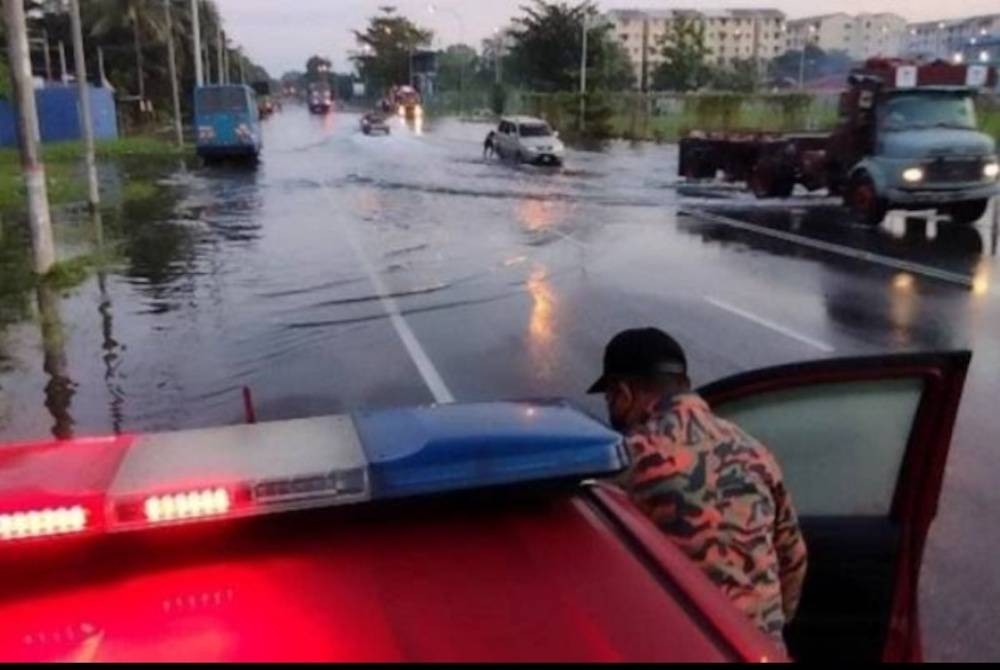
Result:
<point x="908" y="139"/>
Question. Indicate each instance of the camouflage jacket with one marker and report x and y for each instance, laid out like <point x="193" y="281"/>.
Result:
<point x="719" y="494"/>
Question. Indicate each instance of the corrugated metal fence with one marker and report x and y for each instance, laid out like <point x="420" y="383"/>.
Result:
<point x="59" y="115"/>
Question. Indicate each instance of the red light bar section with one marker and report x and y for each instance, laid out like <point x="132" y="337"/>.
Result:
<point x="30" y="524"/>
<point x="187" y="505"/>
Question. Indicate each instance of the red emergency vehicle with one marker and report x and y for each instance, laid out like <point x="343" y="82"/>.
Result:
<point x="464" y="533"/>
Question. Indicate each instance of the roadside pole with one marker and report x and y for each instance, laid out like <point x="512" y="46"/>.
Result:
<point x="996" y="223"/>
<point x="583" y="76"/>
<point x="221" y="79"/>
<point x="199" y="75"/>
<point x="172" y="65"/>
<point x="86" y="118"/>
<point x="39" y="217"/>
<point x="62" y="62"/>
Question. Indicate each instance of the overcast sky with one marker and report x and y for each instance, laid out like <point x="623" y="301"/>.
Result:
<point x="282" y="34"/>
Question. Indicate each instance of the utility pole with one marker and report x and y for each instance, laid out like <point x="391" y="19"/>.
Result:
<point x="28" y="135"/>
<point x="644" y="67"/>
<point x="172" y="64"/>
<point x="221" y="79"/>
<point x="199" y="76"/>
<point x="62" y="62"/>
<point x="100" y="67"/>
<point x="243" y="67"/>
<point x="498" y="56"/>
<point x="583" y="76"/>
<point x="48" y="54"/>
<point x="86" y="118"/>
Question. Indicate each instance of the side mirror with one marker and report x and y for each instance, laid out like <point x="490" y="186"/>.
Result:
<point x="555" y="134"/>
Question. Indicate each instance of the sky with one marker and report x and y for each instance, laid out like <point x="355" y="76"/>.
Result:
<point x="282" y="34"/>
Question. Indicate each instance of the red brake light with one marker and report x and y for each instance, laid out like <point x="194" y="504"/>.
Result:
<point x="30" y="524"/>
<point x="187" y="505"/>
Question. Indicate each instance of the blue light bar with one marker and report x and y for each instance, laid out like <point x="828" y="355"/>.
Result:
<point x="460" y="447"/>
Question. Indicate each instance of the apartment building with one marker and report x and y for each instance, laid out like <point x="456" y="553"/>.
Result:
<point x="861" y="36"/>
<point x="953" y="39"/>
<point x="730" y="35"/>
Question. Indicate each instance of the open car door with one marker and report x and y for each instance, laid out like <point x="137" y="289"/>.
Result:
<point x="863" y="444"/>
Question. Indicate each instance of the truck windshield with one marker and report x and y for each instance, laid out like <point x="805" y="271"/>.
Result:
<point x="535" y="130"/>
<point x="929" y="110"/>
<point x="219" y="100"/>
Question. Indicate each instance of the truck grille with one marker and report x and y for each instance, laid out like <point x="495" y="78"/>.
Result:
<point x="942" y="171"/>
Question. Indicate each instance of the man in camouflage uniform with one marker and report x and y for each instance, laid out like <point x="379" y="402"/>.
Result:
<point x="717" y="492"/>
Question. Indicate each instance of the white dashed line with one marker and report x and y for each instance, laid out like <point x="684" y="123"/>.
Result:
<point x="839" y="249"/>
<point x="767" y="323"/>
<point x="432" y="378"/>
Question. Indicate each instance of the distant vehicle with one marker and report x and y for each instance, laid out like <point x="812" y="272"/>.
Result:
<point x="227" y="122"/>
<point x="405" y="101"/>
<point x="528" y="140"/>
<point x="907" y="139"/>
<point x="266" y="104"/>
<point x="466" y="532"/>
<point x="374" y="122"/>
<point x="320" y="97"/>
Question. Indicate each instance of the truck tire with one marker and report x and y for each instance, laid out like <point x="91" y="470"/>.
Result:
<point x="698" y="166"/>
<point x="965" y="213"/>
<point x="772" y="179"/>
<point x="862" y="200"/>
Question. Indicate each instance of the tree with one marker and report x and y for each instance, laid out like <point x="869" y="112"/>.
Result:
<point x="133" y="15"/>
<point x="545" y="54"/>
<point x="818" y="63"/>
<point x="684" y="52"/>
<point x="456" y="65"/>
<point x="742" y="76"/>
<point x="387" y="46"/>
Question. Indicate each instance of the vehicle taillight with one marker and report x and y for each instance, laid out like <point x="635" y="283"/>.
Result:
<point x="29" y="524"/>
<point x="187" y="505"/>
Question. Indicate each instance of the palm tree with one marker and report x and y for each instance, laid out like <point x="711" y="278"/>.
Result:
<point x="138" y="16"/>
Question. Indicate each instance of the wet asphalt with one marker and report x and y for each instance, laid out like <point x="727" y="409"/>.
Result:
<point x="351" y="272"/>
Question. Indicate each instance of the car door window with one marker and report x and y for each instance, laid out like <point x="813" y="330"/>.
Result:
<point x="841" y="445"/>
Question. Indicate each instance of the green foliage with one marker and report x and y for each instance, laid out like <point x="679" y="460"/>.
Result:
<point x="743" y="76"/>
<point x="547" y="49"/>
<point x="817" y="63"/>
<point x="388" y="43"/>
<point x="684" y="67"/>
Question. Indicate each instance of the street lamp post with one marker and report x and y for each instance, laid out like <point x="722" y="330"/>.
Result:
<point x="802" y="61"/>
<point x="172" y="65"/>
<point x="583" y="72"/>
<point x="461" y="38"/>
<point x="86" y="122"/>
<point x="199" y="75"/>
<point x="498" y="55"/>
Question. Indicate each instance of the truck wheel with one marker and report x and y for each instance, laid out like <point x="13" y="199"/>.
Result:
<point x="967" y="212"/>
<point x="697" y="166"/>
<point x="771" y="180"/>
<point x="863" y="201"/>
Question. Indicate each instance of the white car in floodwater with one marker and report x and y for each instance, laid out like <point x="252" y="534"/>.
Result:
<point x="527" y="140"/>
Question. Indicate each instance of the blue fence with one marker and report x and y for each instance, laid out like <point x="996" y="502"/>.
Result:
<point x="59" y="115"/>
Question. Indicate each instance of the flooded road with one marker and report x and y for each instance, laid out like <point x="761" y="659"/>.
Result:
<point x="353" y="272"/>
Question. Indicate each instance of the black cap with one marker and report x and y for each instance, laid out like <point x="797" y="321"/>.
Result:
<point x="645" y="353"/>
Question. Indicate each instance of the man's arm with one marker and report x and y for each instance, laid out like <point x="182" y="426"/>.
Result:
<point x="790" y="547"/>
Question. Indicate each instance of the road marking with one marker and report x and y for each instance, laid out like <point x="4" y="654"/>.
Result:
<point x="432" y="378"/>
<point x="838" y="249"/>
<point x="767" y="323"/>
